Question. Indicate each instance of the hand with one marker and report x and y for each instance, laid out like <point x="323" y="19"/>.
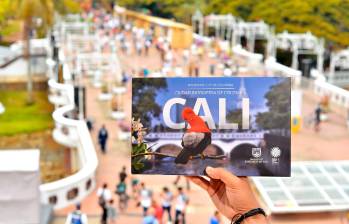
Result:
<point x="231" y="195"/>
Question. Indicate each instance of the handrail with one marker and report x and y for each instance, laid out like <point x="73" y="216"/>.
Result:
<point x="337" y="95"/>
<point x="13" y="59"/>
<point x="249" y="55"/>
<point x="273" y="65"/>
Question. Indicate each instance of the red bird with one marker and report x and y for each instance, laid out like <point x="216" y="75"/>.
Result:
<point x="195" y="139"/>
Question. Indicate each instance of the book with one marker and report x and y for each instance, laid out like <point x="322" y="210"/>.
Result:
<point x="182" y="125"/>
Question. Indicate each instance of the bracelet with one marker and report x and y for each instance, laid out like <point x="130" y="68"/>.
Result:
<point x="238" y="218"/>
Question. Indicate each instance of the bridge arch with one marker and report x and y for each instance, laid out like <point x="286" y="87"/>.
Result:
<point x="167" y="147"/>
<point x="214" y="149"/>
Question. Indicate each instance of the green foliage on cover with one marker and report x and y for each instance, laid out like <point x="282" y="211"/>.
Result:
<point x="144" y="95"/>
<point x="137" y="162"/>
<point x="279" y="105"/>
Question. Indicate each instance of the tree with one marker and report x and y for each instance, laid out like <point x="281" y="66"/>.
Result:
<point x="144" y="92"/>
<point x="279" y="104"/>
<point x="67" y="6"/>
<point x="181" y="10"/>
<point x="7" y="26"/>
<point x="34" y="13"/>
<point x="235" y="116"/>
<point x="328" y="19"/>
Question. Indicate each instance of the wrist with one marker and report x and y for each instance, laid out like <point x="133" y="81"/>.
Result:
<point x="253" y="216"/>
<point x="256" y="219"/>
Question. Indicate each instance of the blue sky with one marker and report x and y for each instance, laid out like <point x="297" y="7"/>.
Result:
<point x="256" y="87"/>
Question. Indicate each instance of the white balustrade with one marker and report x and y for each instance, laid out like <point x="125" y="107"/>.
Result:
<point x="71" y="133"/>
<point x="336" y="94"/>
<point x="67" y="28"/>
<point x="283" y="70"/>
<point x="252" y="58"/>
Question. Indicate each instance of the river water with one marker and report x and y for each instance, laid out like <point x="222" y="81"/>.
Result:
<point x="167" y="166"/>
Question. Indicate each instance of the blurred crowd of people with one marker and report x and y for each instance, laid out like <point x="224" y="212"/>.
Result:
<point x="153" y="206"/>
<point x="123" y="36"/>
<point x="167" y="206"/>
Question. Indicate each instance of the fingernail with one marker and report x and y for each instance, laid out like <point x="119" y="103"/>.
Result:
<point x="209" y="170"/>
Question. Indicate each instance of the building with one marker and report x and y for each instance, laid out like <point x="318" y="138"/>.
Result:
<point x="179" y="34"/>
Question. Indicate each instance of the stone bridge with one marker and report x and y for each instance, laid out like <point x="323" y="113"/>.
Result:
<point x="224" y="142"/>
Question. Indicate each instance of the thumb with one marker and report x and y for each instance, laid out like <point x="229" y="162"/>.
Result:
<point x="223" y="175"/>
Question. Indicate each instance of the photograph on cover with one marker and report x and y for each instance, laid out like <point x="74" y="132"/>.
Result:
<point x="182" y="125"/>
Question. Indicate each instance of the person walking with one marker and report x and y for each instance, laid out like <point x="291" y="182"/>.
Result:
<point x="216" y="218"/>
<point x="178" y="178"/>
<point x="149" y="217"/>
<point x="111" y="212"/>
<point x="121" y="191"/>
<point x="212" y="69"/>
<point x="104" y="195"/>
<point x="89" y="124"/>
<point x="135" y="187"/>
<point x="102" y="138"/>
<point x="146" y="197"/>
<point x="181" y="204"/>
<point x="318" y="112"/>
<point x="167" y="198"/>
<point x="191" y="68"/>
<point x="76" y="217"/>
<point x="158" y="211"/>
<point x="197" y="70"/>
<point x="147" y="45"/>
<point x="185" y="57"/>
<point x="123" y="174"/>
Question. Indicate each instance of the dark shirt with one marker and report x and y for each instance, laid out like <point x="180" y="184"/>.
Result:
<point x="103" y="135"/>
<point x="318" y="114"/>
<point x="122" y="176"/>
<point x="89" y="125"/>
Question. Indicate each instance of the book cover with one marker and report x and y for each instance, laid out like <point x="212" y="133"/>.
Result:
<point x="182" y="125"/>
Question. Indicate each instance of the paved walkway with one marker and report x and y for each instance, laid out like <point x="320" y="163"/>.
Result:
<point x="119" y="155"/>
<point x="330" y="143"/>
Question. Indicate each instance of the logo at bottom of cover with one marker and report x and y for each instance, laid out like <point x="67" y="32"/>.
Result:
<point x="256" y="157"/>
<point x="275" y="153"/>
<point x="256" y="152"/>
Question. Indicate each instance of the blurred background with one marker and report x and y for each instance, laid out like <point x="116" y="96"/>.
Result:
<point x="65" y="104"/>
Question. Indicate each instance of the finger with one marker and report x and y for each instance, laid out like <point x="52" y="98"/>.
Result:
<point x="201" y="182"/>
<point x="215" y="185"/>
<point x="221" y="174"/>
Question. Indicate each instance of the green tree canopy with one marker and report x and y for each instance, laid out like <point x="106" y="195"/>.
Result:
<point x="180" y="10"/>
<point x="144" y="92"/>
<point x="279" y="104"/>
<point x="328" y="19"/>
<point x="235" y="116"/>
<point x="13" y="12"/>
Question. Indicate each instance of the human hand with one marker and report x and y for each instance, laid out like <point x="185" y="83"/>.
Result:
<point x="231" y="195"/>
